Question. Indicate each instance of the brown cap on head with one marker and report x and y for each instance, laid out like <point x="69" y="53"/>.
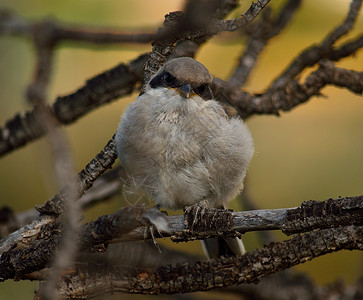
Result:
<point x="186" y="76"/>
<point x="188" y="70"/>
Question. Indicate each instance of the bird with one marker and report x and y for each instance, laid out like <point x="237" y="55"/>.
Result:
<point x="179" y="146"/>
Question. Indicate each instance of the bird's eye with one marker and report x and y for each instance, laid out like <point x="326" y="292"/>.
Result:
<point x="168" y="78"/>
<point x="200" y="90"/>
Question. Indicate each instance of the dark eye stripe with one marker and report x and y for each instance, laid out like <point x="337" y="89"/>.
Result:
<point x="164" y="79"/>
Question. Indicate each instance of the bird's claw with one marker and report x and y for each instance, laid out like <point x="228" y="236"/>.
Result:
<point x="194" y="214"/>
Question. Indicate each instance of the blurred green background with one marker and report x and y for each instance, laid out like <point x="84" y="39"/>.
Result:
<point x="313" y="152"/>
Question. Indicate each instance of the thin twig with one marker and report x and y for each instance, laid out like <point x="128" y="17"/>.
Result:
<point x="259" y="36"/>
<point x="175" y="23"/>
<point x="314" y="54"/>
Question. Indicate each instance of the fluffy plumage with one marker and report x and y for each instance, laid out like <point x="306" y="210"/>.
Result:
<point x="179" y="148"/>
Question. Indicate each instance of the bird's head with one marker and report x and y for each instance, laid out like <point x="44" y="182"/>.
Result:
<point x="186" y="76"/>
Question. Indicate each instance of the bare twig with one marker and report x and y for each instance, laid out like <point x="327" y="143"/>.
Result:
<point x="259" y="36"/>
<point x="312" y="55"/>
<point x="175" y="23"/>
<point x="349" y="48"/>
<point x="248" y="17"/>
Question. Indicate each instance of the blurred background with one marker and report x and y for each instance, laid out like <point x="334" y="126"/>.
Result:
<point x="310" y="153"/>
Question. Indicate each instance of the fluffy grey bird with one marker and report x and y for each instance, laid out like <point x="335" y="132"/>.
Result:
<point x="178" y="144"/>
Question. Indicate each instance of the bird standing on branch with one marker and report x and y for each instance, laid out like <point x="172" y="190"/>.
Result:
<point x="180" y="147"/>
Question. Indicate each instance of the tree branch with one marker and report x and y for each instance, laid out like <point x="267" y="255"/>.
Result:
<point x="55" y="206"/>
<point x="129" y="224"/>
<point x="177" y="24"/>
<point x="82" y="283"/>
<point x="99" y="90"/>
<point x="35" y="253"/>
<point x="314" y="54"/>
<point x="292" y="94"/>
<point x="259" y="36"/>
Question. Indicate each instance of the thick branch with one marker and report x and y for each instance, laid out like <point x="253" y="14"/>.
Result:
<point x="128" y="224"/>
<point x="292" y="94"/>
<point x="290" y="284"/>
<point x="36" y="255"/>
<point x="201" y="276"/>
<point x="117" y="82"/>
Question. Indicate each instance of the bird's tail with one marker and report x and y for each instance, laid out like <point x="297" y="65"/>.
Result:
<point x="215" y="247"/>
<point x="220" y="246"/>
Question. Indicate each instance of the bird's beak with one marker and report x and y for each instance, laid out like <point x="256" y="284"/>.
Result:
<point x="185" y="90"/>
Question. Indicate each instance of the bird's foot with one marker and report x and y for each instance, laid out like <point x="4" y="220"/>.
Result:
<point x="194" y="214"/>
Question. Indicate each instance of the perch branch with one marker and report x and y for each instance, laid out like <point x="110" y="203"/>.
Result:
<point x="128" y="224"/>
